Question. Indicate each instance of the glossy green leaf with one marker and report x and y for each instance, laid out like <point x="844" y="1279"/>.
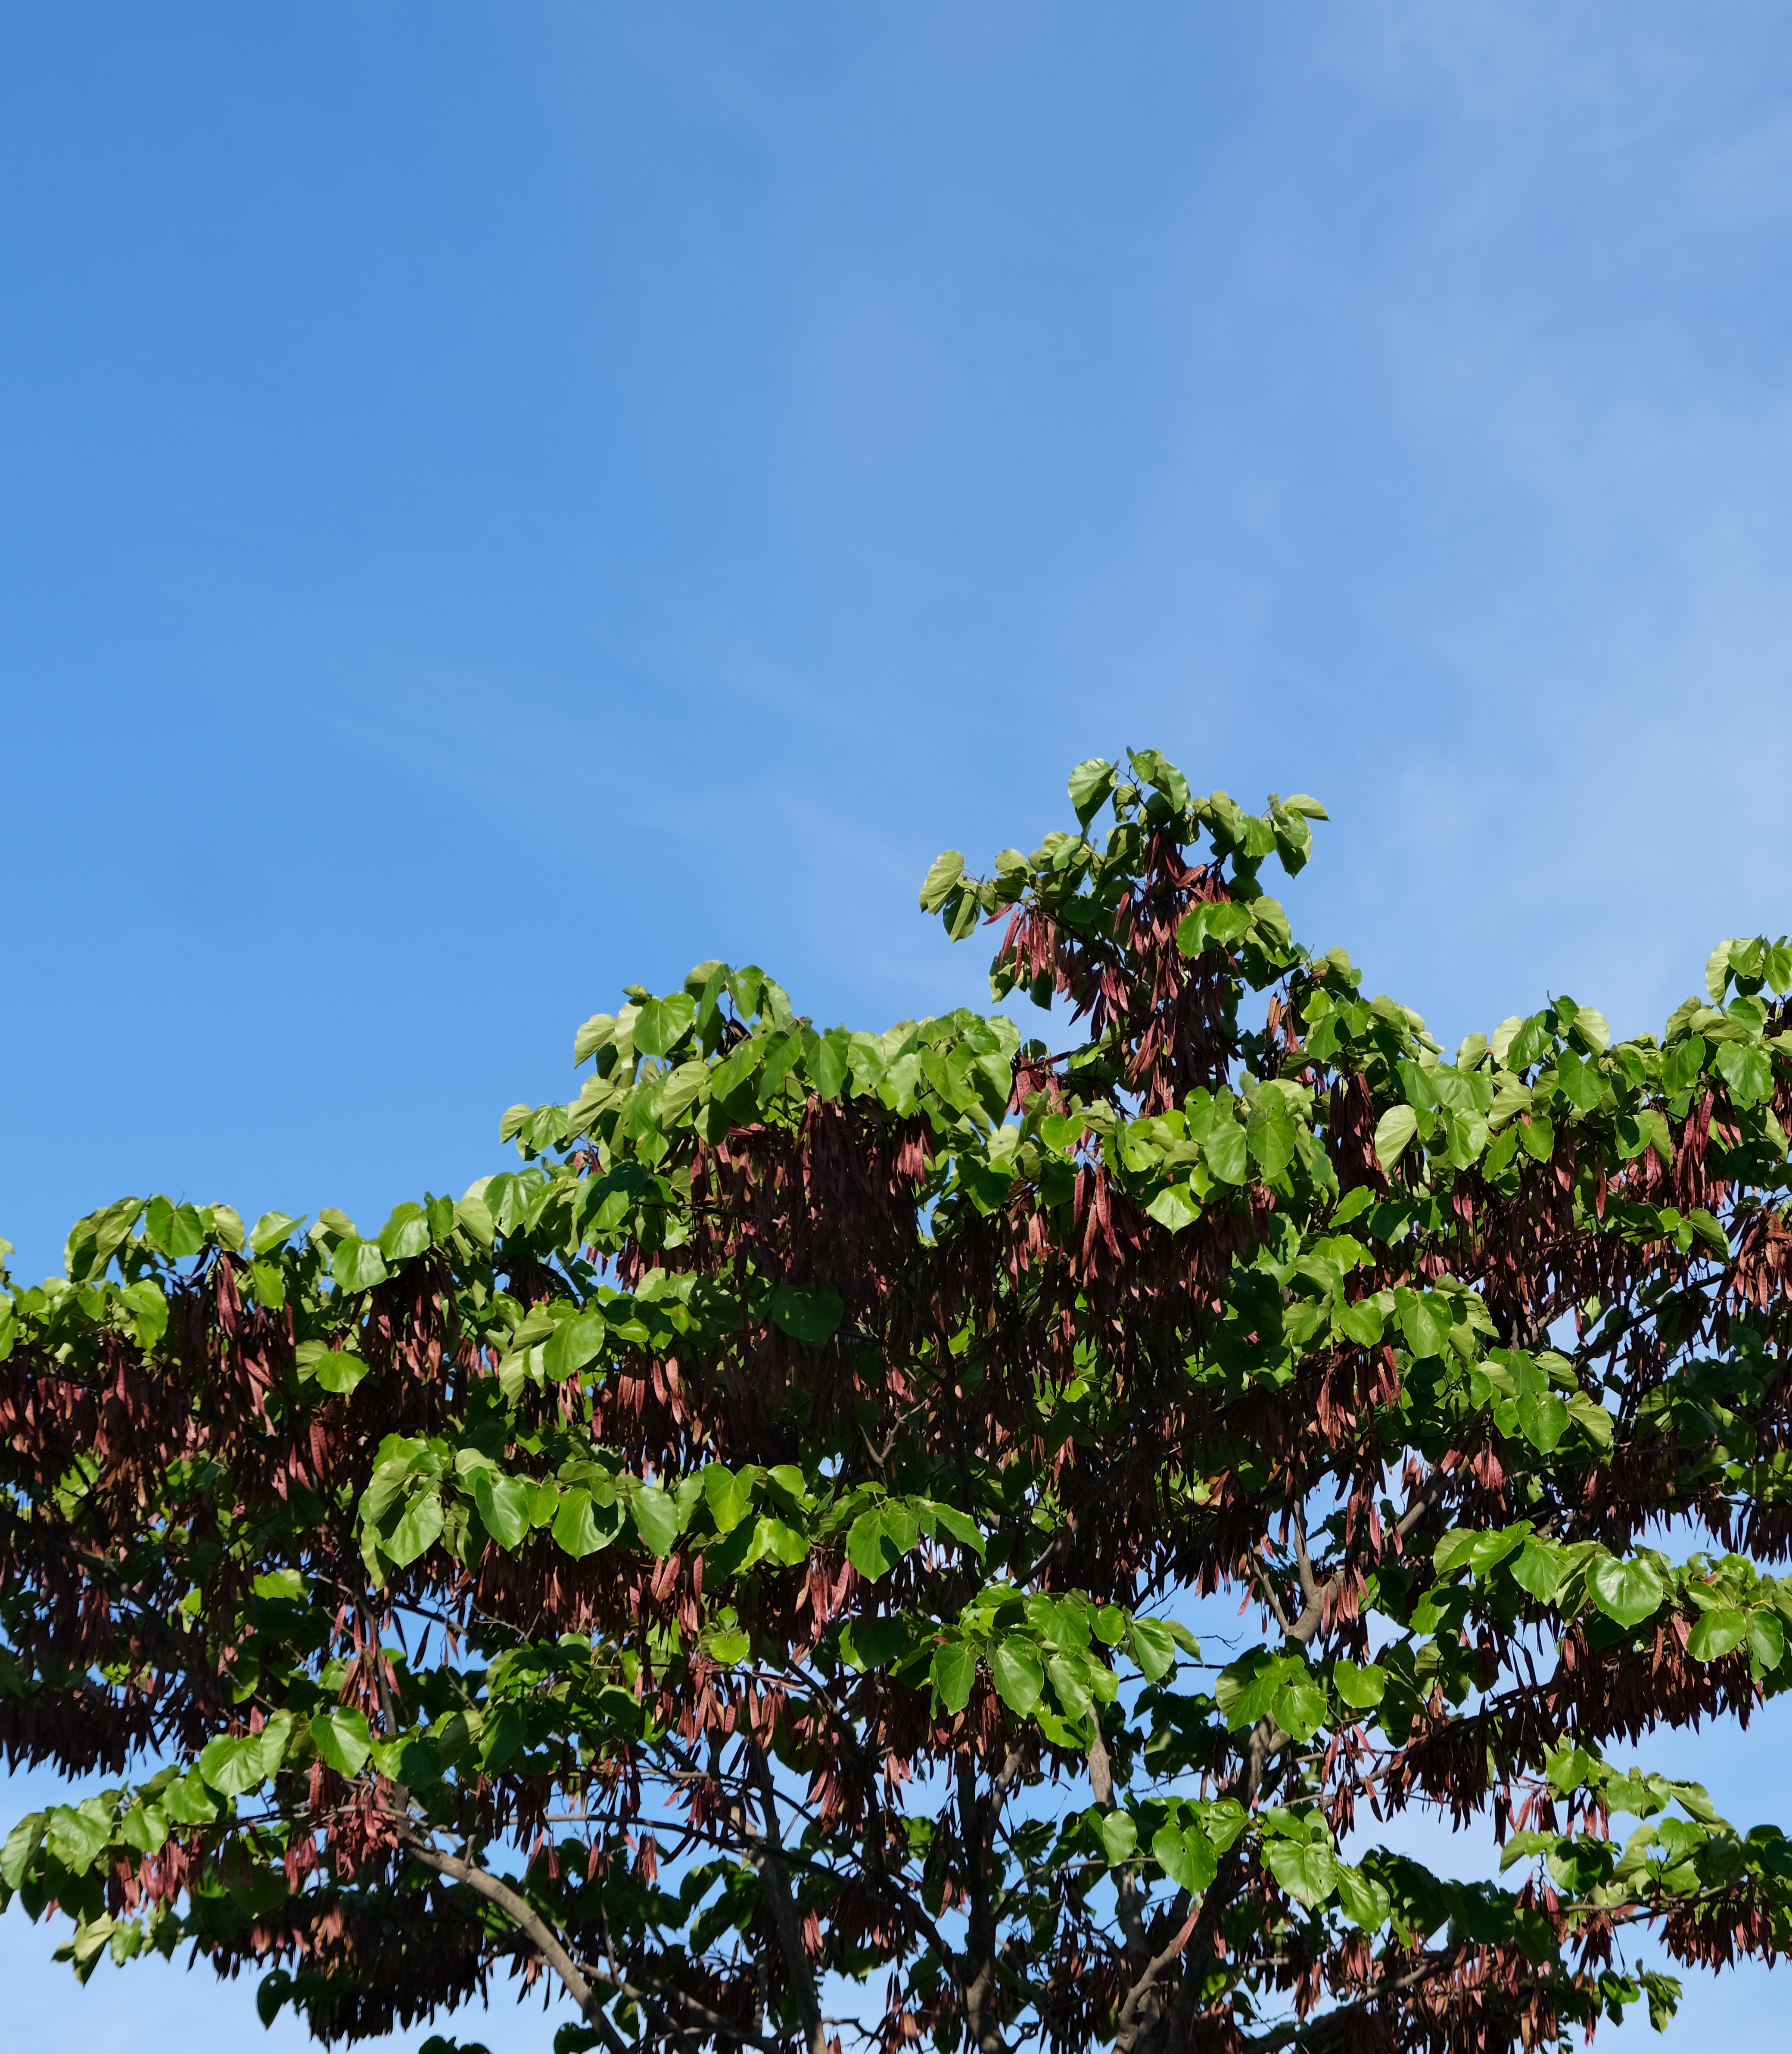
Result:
<point x="504" y="1506"/>
<point x="418" y="1529"/>
<point x="357" y="1265"/>
<point x="21" y="1849"/>
<point x="1628" y="1591"/>
<point x="406" y="1233"/>
<point x="1119" y="1834"/>
<point x="1225" y="1148"/>
<point x="1186" y="1856"/>
<point x="954" y="1671"/>
<point x="1152" y="1645"/>
<point x="572" y="1344"/>
<point x="943" y="874"/>
<point x="1091" y="783"/>
<point x="729" y="1498"/>
<point x="1361" y="1323"/>
<point x="176" y="1230"/>
<point x="1019" y="1674"/>
<point x="1716" y="1634"/>
<point x="1361" y="1685"/>
<point x="656" y="1519"/>
<point x="1394" y="1134"/>
<point x="340" y="1736"/>
<point x="662" y="1023"/>
<point x="1307" y="1870"/>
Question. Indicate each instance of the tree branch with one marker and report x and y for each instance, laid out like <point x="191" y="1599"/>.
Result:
<point x="777" y="1879"/>
<point x="529" y="1922"/>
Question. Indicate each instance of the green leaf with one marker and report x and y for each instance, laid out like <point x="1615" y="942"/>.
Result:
<point x="1717" y="971"/>
<point x="1579" y="1083"/>
<point x="505" y="1504"/>
<point x="234" y="1768"/>
<point x="873" y="1549"/>
<point x="572" y="1344"/>
<point x="1361" y="1323"/>
<point x="1538" y="1570"/>
<point x="145" y="1828"/>
<point x="1119" y="1834"/>
<point x="1591" y="1418"/>
<point x="1019" y="1674"/>
<point x="340" y="1736"/>
<point x="406" y="1233"/>
<point x="1360" y="1686"/>
<point x="942" y="875"/>
<point x="1747" y="1071"/>
<point x="78" y="1834"/>
<point x="273" y="1230"/>
<point x="811" y="1315"/>
<point x="1307" y="1870"/>
<point x="1682" y="1065"/>
<point x="1152" y="1645"/>
<point x="874" y="1643"/>
<point x="1224" y="1150"/>
<point x="1270" y="1132"/>
<point x="1174" y="1207"/>
<point x="1152" y="768"/>
<point x="339" y="1370"/>
<point x="1186" y="1856"/>
<point x="20" y="1850"/>
<point x="832" y="1061"/>
<point x="656" y="1519"/>
<point x="1364" y="1902"/>
<point x="1591" y="1027"/>
<point x="474" y="1215"/>
<point x="1717" y="1633"/>
<point x="357" y="1265"/>
<point x="729" y="1498"/>
<point x="1244" y="1690"/>
<point x="1629" y="1592"/>
<point x="1299" y="1707"/>
<point x="962" y="1529"/>
<point x="1709" y="1232"/>
<point x="1393" y="1132"/>
<point x="662" y="1023"/>
<point x="1542" y="1420"/>
<point x="187" y="1801"/>
<point x="93" y="1242"/>
<point x="1538" y="1135"/>
<point x="1216" y="923"/>
<point x="1091" y="782"/>
<point x="177" y="1230"/>
<point x="146" y="1302"/>
<point x="1111" y="1624"/>
<point x="1071" y="1679"/>
<point x="419" y="1527"/>
<point x="95" y="1239"/>
<point x="1424" y="1321"/>
<point x="576" y="1530"/>
<point x="954" y="1671"/>
<point x="774" y="1541"/>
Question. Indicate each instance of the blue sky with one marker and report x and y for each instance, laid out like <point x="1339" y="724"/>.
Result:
<point x="499" y="503"/>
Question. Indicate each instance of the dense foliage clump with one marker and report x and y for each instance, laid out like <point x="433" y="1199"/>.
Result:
<point x="740" y="1563"/>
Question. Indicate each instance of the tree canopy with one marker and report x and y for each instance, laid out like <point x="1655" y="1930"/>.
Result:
<point x="740" y="1564"/>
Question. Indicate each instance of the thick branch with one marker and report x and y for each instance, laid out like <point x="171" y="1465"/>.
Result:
<point x="529" y="1922"/>
<point x="777" y="1879"/>
<point x="1126" y="2033"/>
<point x="977" y="1818"/>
